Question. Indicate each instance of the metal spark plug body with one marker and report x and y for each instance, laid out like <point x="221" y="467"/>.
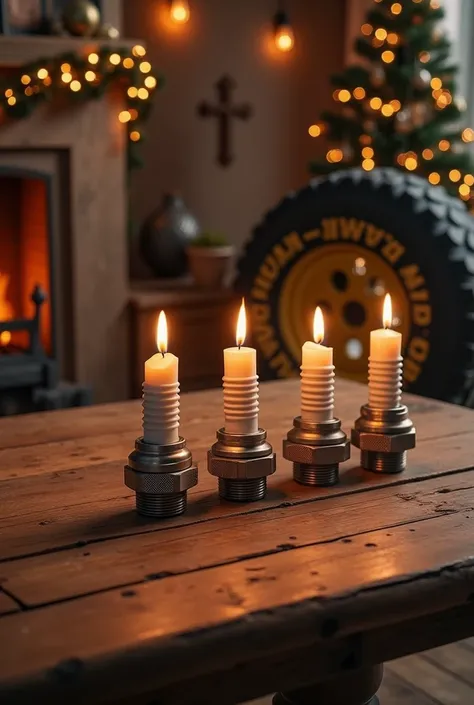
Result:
<point x="316" y="448"/>
<point x="160" y="475"/>
<point x="242" y="463"/>
<point x="384" y="436"/>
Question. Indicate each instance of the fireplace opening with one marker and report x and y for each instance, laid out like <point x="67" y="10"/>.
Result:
<point x="25" y="257"/>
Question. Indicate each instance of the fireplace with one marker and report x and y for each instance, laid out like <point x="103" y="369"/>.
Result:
<point x="35" y="365"/>
<point x="25" y="254"/>
<point x="35" y="250"/>
<point x="63" y="227"/>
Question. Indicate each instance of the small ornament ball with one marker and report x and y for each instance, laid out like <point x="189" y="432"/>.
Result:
<point x="81" y="18"/>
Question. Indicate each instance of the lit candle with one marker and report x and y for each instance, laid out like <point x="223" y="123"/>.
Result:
<point x="161" y="392"/>
<point x="317" y="376"/>
<point x="385" y="363"/>
<point x="240" y="383"/>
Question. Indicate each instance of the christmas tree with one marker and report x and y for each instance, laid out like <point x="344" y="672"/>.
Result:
<point x="398" y="106"/>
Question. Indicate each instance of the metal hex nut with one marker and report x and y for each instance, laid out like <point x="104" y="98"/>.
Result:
<point x="384" y="442"/>
<point x="161" y="482"/>
<point x="316" y="455"/>
<point x="240" y="469"/>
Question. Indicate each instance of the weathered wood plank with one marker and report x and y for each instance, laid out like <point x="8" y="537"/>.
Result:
<point x="433" y="681"/>
<point x="396" y="691"/>
<point x="468" y="643"/>
<point x="153" y="555"/>
<point x="41" y="513"/>
<point x="7" y="604"/>
<point x="301" y="594"/>
<point x="252" y="675"/>
<point x="454" y="659"/>
<point x="201" y="413"/>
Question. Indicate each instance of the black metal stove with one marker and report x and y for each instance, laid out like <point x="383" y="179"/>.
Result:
<point x="29" y="379"/>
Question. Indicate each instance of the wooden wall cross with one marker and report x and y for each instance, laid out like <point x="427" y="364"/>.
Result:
<point x="224" y="111"/>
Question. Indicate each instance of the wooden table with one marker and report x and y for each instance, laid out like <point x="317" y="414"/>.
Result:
<point x="229" y="601"/>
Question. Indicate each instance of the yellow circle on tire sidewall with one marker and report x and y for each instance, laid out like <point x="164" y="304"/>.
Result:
<point x="349" y="282"/>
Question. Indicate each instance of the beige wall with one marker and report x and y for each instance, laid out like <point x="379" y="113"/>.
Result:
<point x="287" y="93"/>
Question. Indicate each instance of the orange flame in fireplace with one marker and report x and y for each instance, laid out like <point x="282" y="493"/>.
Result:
<point x="6" y="309"/>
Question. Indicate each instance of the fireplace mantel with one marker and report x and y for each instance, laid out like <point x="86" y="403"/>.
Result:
<point x="19" y="50"/>
<point x="90" y="144"/>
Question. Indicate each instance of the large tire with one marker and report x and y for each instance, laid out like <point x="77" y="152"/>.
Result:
<point x="343" y="241"/>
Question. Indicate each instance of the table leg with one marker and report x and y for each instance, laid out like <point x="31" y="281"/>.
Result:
<point x="354" y="688"/>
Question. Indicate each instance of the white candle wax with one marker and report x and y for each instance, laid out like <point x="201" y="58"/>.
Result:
<point x="161" y="369"/>
<point x="240" y="390"/>
<point x="161" y="393"/>
<point x="315" y="355"/>
<point x="385" y="344"/>
<point x="317" y="383"/>
<point x="385" y="364"/>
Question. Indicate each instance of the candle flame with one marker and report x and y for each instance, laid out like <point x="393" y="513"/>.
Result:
<point x="241" y="331"/>
<point x="162" y="334"/>
<point x="387" y="311"/>
<point x="318" y="325"/>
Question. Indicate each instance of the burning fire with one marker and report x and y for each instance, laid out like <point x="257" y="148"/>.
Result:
<point x="6" y="310"/>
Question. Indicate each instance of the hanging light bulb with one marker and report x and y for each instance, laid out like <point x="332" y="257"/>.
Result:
<point x="284" y="36"/>
<point x="179" y="11"/>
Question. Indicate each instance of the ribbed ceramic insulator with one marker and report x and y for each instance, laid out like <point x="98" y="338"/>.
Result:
<point x="241" y="404"/>
<point x="317" y="394"/>
<point x="385" y="383"/>
<point x="161" y="413"/>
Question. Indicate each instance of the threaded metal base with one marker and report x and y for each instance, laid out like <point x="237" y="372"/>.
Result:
<point x="250" y="490"/>
<point x="390" y="463"/>
<point x="161" y="505"/>
<point x="316" y="475"/>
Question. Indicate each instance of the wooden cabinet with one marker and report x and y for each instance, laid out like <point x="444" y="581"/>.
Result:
<point x="200" y="325"/>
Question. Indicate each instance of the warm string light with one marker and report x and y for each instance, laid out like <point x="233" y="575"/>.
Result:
<point x="454" y="175"/>
<point x="427" y="154"/>
<point x="396" y="8"/>
<point x="434" y="178"/>
<point x="343" y="95"/>
<point x="467" y="135"/>
<point x="334" y="156"/>
<point x="179" y="11"/>
<point x="368" y="164"/>
<point x="444" y="145"/>
<point x="283" y="32"/>
<point x="387" y="110"/>
<point x="388" y="56"/>
<point x="75" y="79"/>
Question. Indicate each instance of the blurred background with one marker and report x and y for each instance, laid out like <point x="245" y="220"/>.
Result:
<point x="165" y="154"/>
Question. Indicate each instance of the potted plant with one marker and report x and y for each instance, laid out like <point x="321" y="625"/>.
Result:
<point x="210" y="258"/>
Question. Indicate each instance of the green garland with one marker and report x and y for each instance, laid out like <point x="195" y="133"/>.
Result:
<point x="80" y="78"/>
